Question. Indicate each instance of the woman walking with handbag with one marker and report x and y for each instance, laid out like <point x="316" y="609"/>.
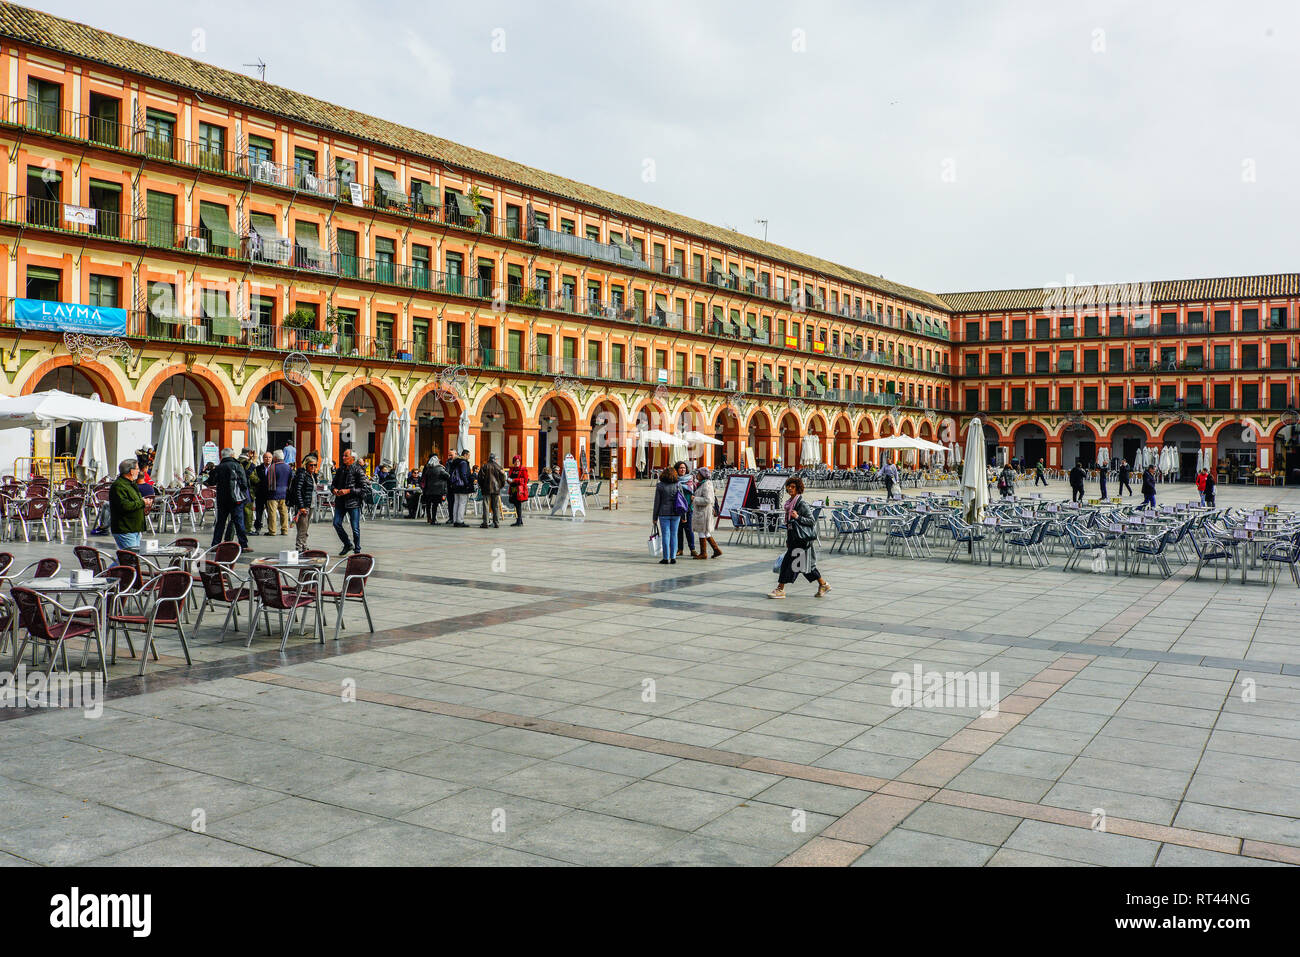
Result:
<point x="703" y="504"/>
<point x="517" y="476"/>
<point x="800" y="543"/>
<point x="667" y="515"/>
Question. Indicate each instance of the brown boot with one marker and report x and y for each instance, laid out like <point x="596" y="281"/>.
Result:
<point x="700" y="554"/>
<point x="717" y="552"/>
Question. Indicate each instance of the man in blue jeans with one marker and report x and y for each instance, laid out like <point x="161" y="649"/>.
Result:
<point x="349" y="486"/>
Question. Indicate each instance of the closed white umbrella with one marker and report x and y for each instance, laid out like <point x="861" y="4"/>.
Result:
<point x="1103" y="457"/>
<point x="188" y="455"/>
<point x="404" y="441"/>
<point x="812" y="453"/>
<point x="263" y="420"/>
<point x="168" y="455"/>
<point x="326" y="445"/>
<point x="388" y="452"/>
<point x="462" y="431"/>
<point x="974" y="479"/>
<point x="640" y="451"/>
<point x="92" y="457"/>
<point x="253" y="424"/>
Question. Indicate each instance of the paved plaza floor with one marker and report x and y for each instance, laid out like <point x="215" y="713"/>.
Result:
<point x="550" y="695"/>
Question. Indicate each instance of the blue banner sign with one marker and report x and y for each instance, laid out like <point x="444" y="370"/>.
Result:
<point x="69" y="317"/>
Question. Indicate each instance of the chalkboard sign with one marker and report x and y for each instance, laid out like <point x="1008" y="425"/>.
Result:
<point x="738" y="494"/>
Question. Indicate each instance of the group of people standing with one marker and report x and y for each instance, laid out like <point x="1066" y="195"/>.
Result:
<point x="456" y="481"/>
<point x="685" y="508"/>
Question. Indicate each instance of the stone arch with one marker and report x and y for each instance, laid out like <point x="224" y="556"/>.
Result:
<point x="760" y="437"/>
<point x="304" y="423"/>
<point x="607" y="436"/>
<point x="790" y="432"/>
<point x="843" y="453"/>
<point x="220" y="421"/>
<point x="365" y="430"/>
<point x="504" y="437"/>
<point x="435" y="422"/>
<point x="104" y="378"/>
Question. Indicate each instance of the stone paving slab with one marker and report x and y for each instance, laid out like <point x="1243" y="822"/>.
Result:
<point x="587" y="706"/>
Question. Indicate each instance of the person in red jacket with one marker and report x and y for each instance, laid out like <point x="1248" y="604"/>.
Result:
<point x="1200" y="484"/>
<point x="517" y="485"/>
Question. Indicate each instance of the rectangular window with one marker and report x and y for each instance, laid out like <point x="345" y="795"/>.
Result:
<point x="103" y="291"/>
<point x="1250" y="395"/>
<point x="44" y="100"/>
<point x="455" y="342"/>
<point x="1017" y="329"/>
<point x="43" y="283"/>
<point x="1222" y="396"/>
<point x="1114" y="397"/>
<point x="212" y="146"/>
<point x="1250" y="320"/>
<point x="1042" y="327"/>
<point x="1090" y="326"/>
<point x="1065" y="398"/>
<point x="972" y="332"/>
<point x="995" y="400"/>
<point x="160" y="210"/>
<point x="260" y="150"/>
<point x="995" y="363"/>
<point x="159" y="134"/>
<point x="1277" y="317"/>
<point x="1042" y="361"/>
<point x="1090" y="360"/>
<point x="214" y="228"/>
<point x="1042" y="398"/>
<point x="1017" y="363"/>
<point x="1195" y="395"/>
<point x="1250" y="356"/>
<point x="1090" y="398"/>
<point x="1277" y="355"/>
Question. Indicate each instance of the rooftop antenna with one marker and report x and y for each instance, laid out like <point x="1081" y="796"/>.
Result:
<point x="763" y="223"/>
<point x="261" y="67"/>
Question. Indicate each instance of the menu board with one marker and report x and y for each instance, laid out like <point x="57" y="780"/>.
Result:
<point x="739" y="489"/>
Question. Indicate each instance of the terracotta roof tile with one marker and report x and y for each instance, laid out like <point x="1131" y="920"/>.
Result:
<point x="1166" y="291"/>
<point x="76" y="39"/>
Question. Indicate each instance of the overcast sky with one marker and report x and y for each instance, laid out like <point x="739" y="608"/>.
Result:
<point x="945" y="145"/>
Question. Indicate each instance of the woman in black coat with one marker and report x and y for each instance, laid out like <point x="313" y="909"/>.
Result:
<point x="800" y="543"/>
<point x="433" y="481"/>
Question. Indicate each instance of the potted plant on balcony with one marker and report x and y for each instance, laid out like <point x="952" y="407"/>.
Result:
<point x="303" y="321"/>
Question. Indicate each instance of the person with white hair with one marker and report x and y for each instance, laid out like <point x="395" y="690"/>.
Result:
<point x="278" y="476"/>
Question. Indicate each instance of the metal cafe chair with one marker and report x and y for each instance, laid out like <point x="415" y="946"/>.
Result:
<point x="356" y="570"/>
<point x="53" y="630"/>
<point x="271" y="596"/>
<point x="169" y="592"/>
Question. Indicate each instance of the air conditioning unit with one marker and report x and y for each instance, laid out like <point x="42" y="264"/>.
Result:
<point x="731" y="385"/>
<point x="196" y="244"/>
<point x="673" y="269"/>
<point x="697" y="382"/>
<point x="193" y="333"/>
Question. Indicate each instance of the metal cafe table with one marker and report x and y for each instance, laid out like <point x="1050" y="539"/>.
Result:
<point x="303" y="574"/>
<point x="93" y="592"/>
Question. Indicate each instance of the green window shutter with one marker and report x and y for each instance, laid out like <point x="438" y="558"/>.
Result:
<point x="217" y="221"/>
<point x="464" y="206"/>
<point x="386" y="183"/>
<point x="305" y="236"/>
<point x="161" y="206"/>
<point x="260" y="146"/>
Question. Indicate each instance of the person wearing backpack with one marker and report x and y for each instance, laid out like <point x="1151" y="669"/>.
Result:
<point x="800" y="543"/>
<point x="230" y="480"/>
<point x="667" y="515"/>
<point x="460" y="482"/>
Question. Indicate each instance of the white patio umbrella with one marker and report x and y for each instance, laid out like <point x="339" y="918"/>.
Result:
<point x="902" y="442"/>
<point x="326" y="446"/>
<point x="253" y="424"/>
<point x="388" y="452"/>
<point x="462" y="431"/>
<point x="54" y="409"/>
<point x="167" y="455"/>
<point x="188" y="453"/>
<point x="640" y="451"/>
<point x="404" y="442"/>
<point x="974" y="479"/>
<point x="811" y="454"/>
<point x="92" y="456"/>
<point x="699" y="438"/>
<point x="263" y="418"/>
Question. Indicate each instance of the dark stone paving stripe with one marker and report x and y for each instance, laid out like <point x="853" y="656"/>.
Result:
<point x="563" y="599"/>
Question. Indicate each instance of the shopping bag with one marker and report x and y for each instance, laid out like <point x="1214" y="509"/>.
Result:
<point x="776" y="565"/>
<point x="652" y="544"/>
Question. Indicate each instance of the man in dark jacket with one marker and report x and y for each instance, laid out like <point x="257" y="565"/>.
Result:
<point x="491" y="480"/>
<point x="261" y="490"/>
<point x="127" y="507"/>
<point x="459" y="484"/>
<point x="350" y="488"/>
<point x="300" y="497"/>
<point x="1076" y="482"/>
<point x="231" y="482"/>
<point x="1149" y="487"/>
<point x="433" y="482"/>
<point x="1123" y="477"/>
